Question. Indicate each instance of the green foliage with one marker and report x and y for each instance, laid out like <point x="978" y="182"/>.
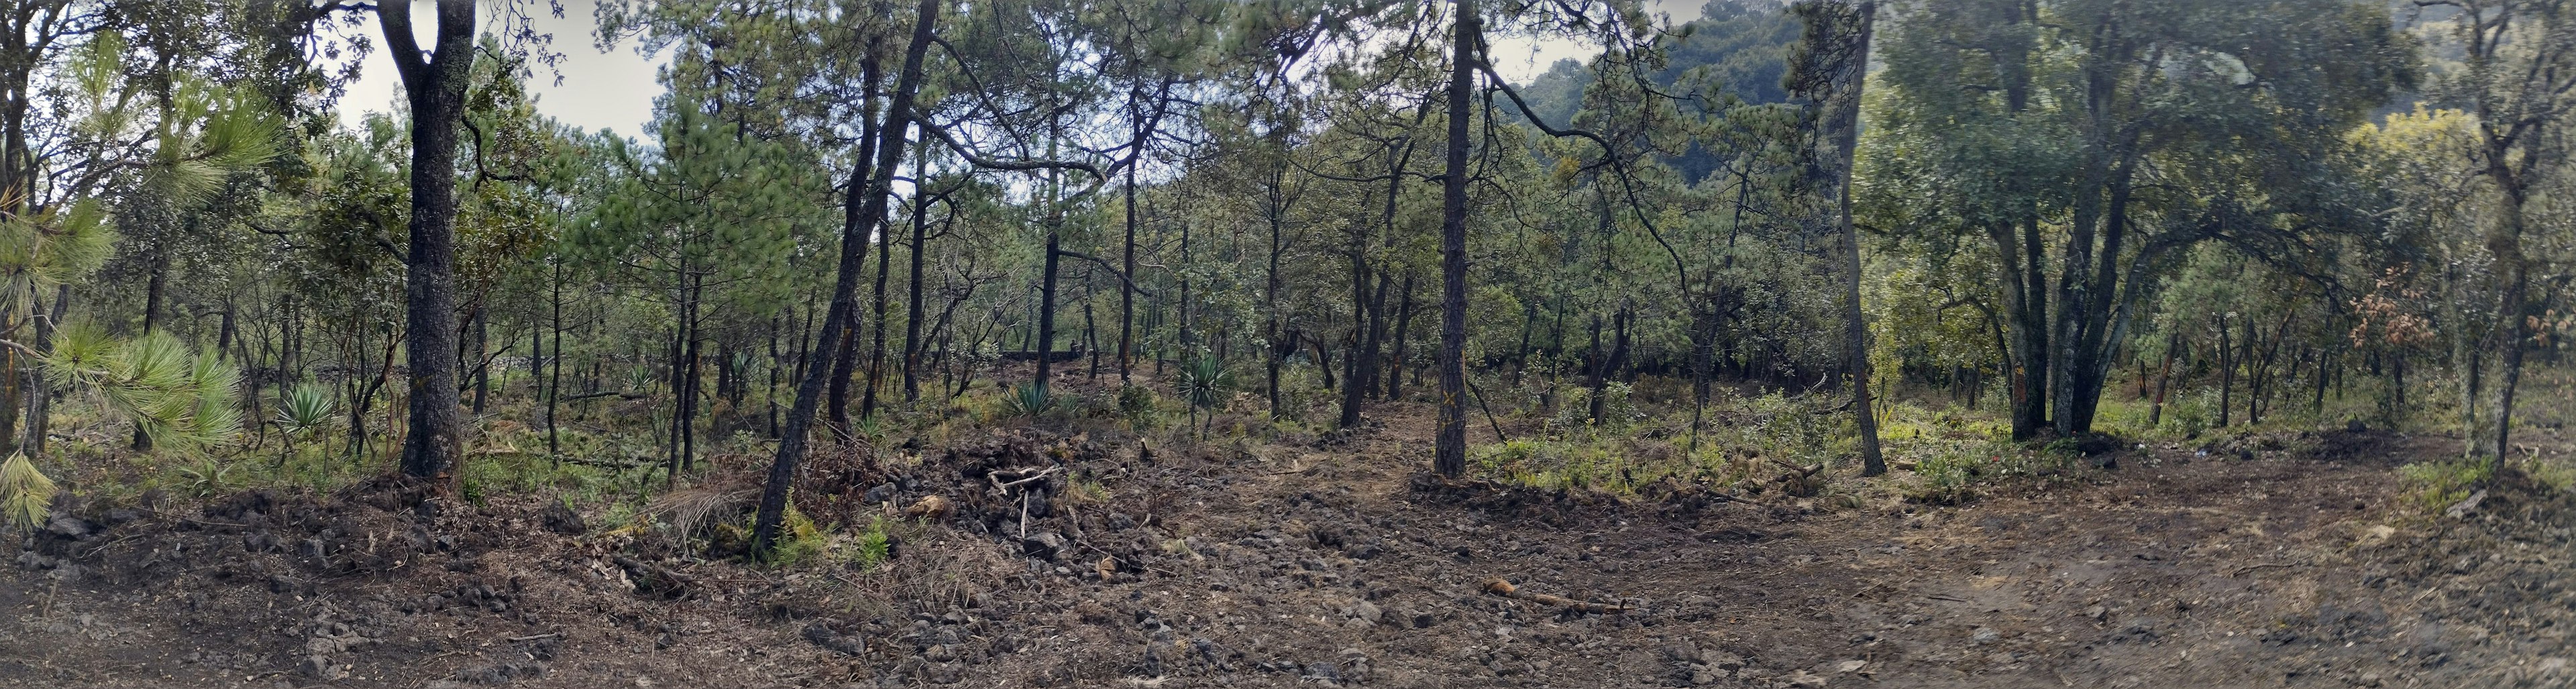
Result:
<point x="799" y="540"/>
<point x="184" y="401"/>
<point x="2436" y="485"/>
<point x="206" y="476"/>
<point x="25" y="493"/>
<point x="1137" y="404"/>
<point x="1028" y="401"/>
<point x="875" y="546"/>
<point x="304" y="409"/>
<point x="1205" y="382"/>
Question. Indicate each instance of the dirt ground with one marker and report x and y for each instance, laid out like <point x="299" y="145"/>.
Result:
<point x="2293" y="560"/>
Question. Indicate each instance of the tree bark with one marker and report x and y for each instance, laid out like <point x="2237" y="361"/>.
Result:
<point x="912" y="301"/>
<point x="1855" y="323"/>
<point x="861" y="212"/>
<point x="1449" y="455"/>
<point x="435" y="85"/>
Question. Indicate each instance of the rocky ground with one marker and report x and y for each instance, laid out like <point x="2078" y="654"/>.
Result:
<point x="2289" y="560"/>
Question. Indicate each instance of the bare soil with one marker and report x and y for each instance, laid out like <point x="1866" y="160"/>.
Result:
<point x="2297" y="561"/>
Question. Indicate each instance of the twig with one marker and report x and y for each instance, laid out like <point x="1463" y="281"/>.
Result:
<point x="533" y="637"/>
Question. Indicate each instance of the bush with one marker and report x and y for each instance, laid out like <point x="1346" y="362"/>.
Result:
<point x="2436" y="485"/>
<point x="1136" y="404"/>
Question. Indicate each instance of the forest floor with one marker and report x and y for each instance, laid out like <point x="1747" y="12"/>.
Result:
<point x="2283" y="559"/>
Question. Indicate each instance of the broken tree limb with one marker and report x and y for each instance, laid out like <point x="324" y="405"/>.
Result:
<point x="1505" y="589"/>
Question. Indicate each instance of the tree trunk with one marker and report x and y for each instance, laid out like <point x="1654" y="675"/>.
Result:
<point x="2226" y="372"/>
<point x="861" y="214"/>
<point x="482" y="349"/>
<point x="877" y="347"/>
<point x="436" y="87"/>
<point x="40" y="402"/>
<point x="1855" y="324"/>
<point x="912" y="300"/>
<point x="842" y="354"/>
<point x="2164" y="377"/>
<point x="1450" y="449"/>
<point x="1127" y="287"/>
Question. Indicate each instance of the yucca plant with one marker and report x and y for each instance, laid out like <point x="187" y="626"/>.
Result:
<point x="1204" y="384"/>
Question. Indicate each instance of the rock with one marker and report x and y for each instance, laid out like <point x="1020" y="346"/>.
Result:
<point x="68" y="526"/>
<point x="561" y="519"/>
<point x="1849" y="666"/>
<point x="1043" y="545"/>
<point x="320" y="668"/>
<point x="1723" y="661"/>
<point x="1422" y="621"/>
<point x="883" y="493"/>
<point x="1803" y="678"/>
<point x="823" y="636"/>
<point x="1984" y="635"/>
<point x="1367" y="611"/>
<point x="939" y="653"/>
<point x="934" y="507"/>
<point x="2355" y="426"/>
<point x="2096" y="612"/>
<point x="2465" y="506"/>
<point x="500" y="673"/>
<point x="2368" y="679"/>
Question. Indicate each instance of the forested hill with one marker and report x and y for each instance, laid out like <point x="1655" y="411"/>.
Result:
<point x="1737" y="51"/>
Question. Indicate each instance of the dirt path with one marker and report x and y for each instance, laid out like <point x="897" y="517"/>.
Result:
<point x="1334" y="563"/>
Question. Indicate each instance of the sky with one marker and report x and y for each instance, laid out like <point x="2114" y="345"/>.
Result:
<point x="615" y="89"/>
<point x="612" y="90"/>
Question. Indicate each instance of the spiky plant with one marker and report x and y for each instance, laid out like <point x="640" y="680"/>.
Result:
<point x="1204" y="384"/>
<point x="303" y="411"/>
<point x="1027" y="400"/>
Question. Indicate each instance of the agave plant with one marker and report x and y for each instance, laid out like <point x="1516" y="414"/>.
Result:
<point x="1204" y="384"/>
<point x="303" y="411"/>
<point x="641" y="379"/>
<point x="1027" y="400"/>
<point x="870" y="429"/>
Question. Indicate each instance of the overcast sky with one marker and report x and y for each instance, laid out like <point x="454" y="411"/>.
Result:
<point x="615" y="90"/>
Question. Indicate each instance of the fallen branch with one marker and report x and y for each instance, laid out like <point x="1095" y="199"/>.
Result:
<point x="998" y="484"/>
<point x="1505" y="589"/>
